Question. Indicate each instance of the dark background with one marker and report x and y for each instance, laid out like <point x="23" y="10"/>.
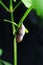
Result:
<point x="30" y="50"/>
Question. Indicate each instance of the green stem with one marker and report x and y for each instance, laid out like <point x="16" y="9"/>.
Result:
<point x="24" y="16"/>
<point x="11" y="22"/>
<point x="15" y="44"/>
<point x="17" y="6"/>
<point x="4" y="6"/>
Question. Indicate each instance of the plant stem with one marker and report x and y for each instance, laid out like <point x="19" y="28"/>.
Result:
<point x="11" y="22"/>
<point x="13" y="26"/>
<point x="4" y="6"/>
<point x="17" y="6"/>
<point x="24" y="16"/>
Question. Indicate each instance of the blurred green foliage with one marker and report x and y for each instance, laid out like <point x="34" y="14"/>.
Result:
<point x="1" y="51"/>
<point x="37" y="5"/>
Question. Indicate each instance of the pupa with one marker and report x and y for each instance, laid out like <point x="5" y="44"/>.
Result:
<point x="20" y="33"/>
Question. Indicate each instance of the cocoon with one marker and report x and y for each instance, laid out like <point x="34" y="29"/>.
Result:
<point x="20" y="33"/>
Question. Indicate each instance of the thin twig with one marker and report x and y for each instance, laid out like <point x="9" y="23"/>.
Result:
<point x="11" y="22"/>
<point x="17" y="6"/>
<point x="5" y="7"/>
<point x="24" y="16"/>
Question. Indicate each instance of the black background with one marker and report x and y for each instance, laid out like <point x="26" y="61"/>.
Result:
<point x="30" y="50"/>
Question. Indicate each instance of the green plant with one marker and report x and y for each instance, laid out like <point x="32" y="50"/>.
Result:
<point x="30" y="4"/>
<point x="11" y="11"/>
<point x="36" y="4"/>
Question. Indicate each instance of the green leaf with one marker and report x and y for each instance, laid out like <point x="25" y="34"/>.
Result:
<point x="14" y="0"/>
<point x="27" y="3"/>
<point x="38" y="6"/>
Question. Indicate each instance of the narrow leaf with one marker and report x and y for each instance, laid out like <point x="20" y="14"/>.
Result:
<point x="27" y="3"/>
